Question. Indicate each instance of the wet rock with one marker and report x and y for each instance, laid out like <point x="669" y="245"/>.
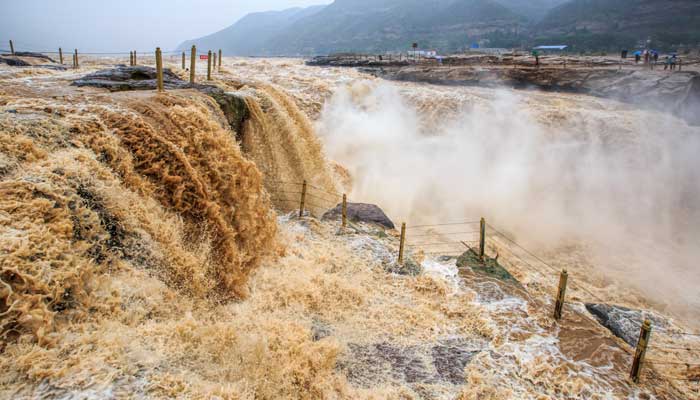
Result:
<point x="444" y="362"/>
<point x="488" y="266"/>
<point x="27" y="59"/>
<point x="352" y="60"/>
<point x="451" y="358"/>
<point x="14" y="62"/>
<point x="233" y="105"/>
<point x="34" y="55"/>
<point x="124" y="78"/>
<point x="623" y="322"/>
<point x="409" y="268"/>
<point x="382" y="361"/>
<point x="361" y="212"/>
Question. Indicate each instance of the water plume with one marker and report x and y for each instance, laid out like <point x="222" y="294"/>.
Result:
<point x="553" y="169"/>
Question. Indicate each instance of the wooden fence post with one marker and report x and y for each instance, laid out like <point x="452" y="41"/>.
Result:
<point x="159" y="68"/>
<point x="482" y="239"/>
<point x="193" y="63"/>
<point x="220" y="57"/>
<point x="345" y="211"/>
<point x="135" y="60"/>
<point x="402" y="243"/>
<point x="214" y="61"/>
<point x="209" y="66"/>
<point x="131" y="58"/>
<point x="561" y="293"/>
<point x="77" y="62"/>
<point x="641" y="351"/>
<point x="303" y="200"/>
<point x="12" y="48"/>
<point x="183" y="60"/>
<point x="60" y="55"/>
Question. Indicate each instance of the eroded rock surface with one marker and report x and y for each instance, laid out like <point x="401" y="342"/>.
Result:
<point x="428" y="364"/>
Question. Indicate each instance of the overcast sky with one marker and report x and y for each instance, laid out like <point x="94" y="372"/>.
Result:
<point x="121" y="25"/>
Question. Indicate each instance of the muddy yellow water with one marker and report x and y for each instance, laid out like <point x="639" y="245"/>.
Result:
<point x="145" y="252"/>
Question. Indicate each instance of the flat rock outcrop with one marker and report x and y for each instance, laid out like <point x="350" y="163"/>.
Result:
<point x="29" y="59"/>
<point x="123" y="78"/>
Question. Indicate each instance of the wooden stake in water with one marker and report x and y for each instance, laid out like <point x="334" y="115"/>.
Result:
<point x="402" y="242"/>
<point x="135" y="60"/>
<point x="60" y="55"/>
<point x="220" y="57"/>
<point x="641" y="351"/>
<point x="213" y="63"/>
<point x="345" y="211"/>
<point x="12" y="48"/>
<point x="131" y="58"/>
<point x="159" y="68"/>
<point x="183" y="60"/>
<point x="77" y="62"/>
<point x="482" y="239"/>
<point x="559" y="305"/>
<point x="193" y="61"/>
<point x="302" y="204"/>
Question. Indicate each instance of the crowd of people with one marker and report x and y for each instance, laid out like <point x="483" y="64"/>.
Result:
<point x="651" y="58"/>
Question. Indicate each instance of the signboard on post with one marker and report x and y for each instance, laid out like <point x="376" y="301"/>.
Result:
<point x="204" y="57"/>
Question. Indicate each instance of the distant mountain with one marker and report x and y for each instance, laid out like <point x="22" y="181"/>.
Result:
<point x="451" y="25"/>
<point x="251" y="33"/>
<point x="609" y="24"/>
<point x="380" y="25"/>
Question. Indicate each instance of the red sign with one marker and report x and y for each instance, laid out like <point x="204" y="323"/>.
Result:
<point x="203" y="57"/>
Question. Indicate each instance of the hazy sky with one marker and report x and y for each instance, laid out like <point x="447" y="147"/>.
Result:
<point x="121" y="25"/>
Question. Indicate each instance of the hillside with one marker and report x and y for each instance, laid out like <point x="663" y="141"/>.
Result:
<point x="250" y="34"/>
<point x="348" y="25"/>
<point x="451" y="25"/>
<point x="361" y="25"/>
<point x="534" y="10"/>
<point x="610" y="25"/>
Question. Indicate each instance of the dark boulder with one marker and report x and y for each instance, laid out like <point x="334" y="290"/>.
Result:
<point x="14" y="61"/>
<point x="623" y="322"/>
<point x="18" y="59"/>
<point x="124" y="78"/>
<point x="360" y="212"/>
